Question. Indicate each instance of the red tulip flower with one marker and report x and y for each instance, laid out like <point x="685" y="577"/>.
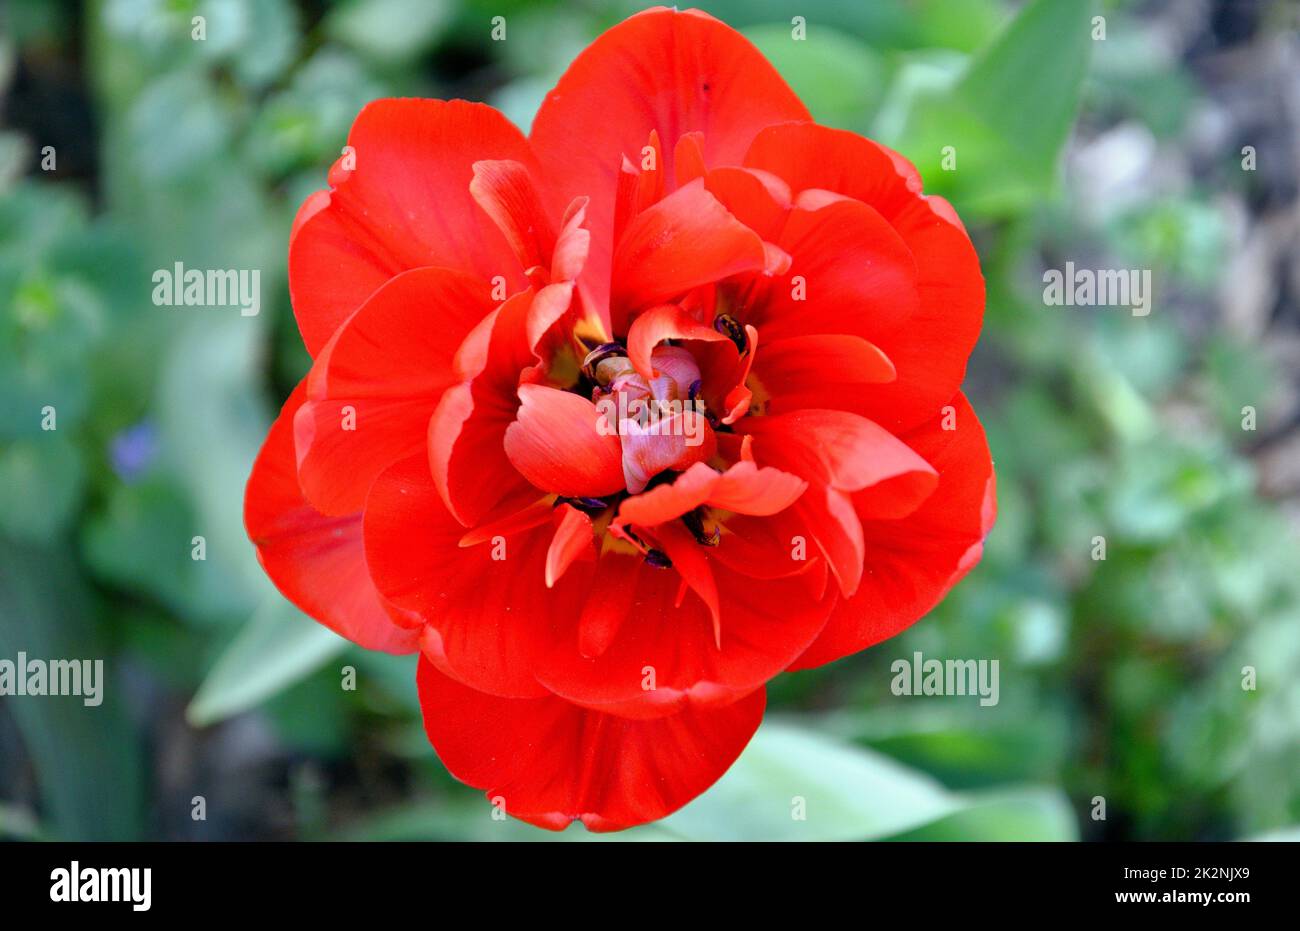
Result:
<point x="615" y="422"/>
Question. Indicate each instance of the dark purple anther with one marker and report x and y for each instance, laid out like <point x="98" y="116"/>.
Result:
<point x="600" y="354"/>
<point x="586" y="505"/>
<point x="731" y="328"/>
<point x="658" y="559"/>
<point x="694" y="521"/>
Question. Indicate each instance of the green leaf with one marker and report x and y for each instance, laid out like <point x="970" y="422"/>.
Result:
<point x="882" y="24"/>
<point x="1288" y="835"/>
<point x="836" y="76"/>
<point x="212" y="423"/>
<point x="993" y="139"/>
<point x="185" y="109"/>
<point x="843" y="793"/>
<point x="89" y="760"/>
<point x="40" y="484"/>
<point x="391" y="31"/>
<point x="260" y="36"/>
<point x="141" y="540"/>
<point x="1026" y="85"/>
<point x="305" y="125"/>
<point x="964" y="746"/>
<point x="1033" y="814"/>
<point x="847" y="793"/>
<point x="277" y="648"/>
<point x="18" y="824"/>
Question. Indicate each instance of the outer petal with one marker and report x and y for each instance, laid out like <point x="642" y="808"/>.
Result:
<point x="808" y="156"/>
<point x="931" y="346"/>
<point x="386" y="368"/>
<point x="759" y="625"/>
<point x="550" y="763"/>
<point x="609" y="602"/>
<point x="486" y="607"/>
<point x="850" y="272"/>
<point x="468" y="428"/>
<point x="839" y="453"/>
<point x="317" y="562"/>
<point x="664" y="71"/>
<point x="913" y="562"/>
<point x="405" y="204"/>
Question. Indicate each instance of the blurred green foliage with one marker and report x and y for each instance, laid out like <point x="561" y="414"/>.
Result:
<point x="1120" y="678"/>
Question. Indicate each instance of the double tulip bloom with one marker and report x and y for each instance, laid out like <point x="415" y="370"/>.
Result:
<point x="615" y="422"/>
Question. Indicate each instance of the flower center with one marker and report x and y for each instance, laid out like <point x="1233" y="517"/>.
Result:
<point x="673" y="388"/>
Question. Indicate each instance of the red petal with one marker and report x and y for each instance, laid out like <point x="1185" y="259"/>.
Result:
<point x="550" y="763"/>
<point x="467" y="431"/>
<point x="663" y="70"/>
<point x="512" y="517"/>
<point x="487" y="610"/>
<point x="573" y="244"/>
<point x="343" y="445"/>
<point x="317" y="562"/>
<point x="931" y="347"/>
<point x="573" y="540"/>
<point x="743" y="488"/>
<point x="829" y="518"/>
<point x="843" y="450"/>
<point x="667" y="502"/>
<point x="931" y="350"/>
<point x="806" y="155"/>
<point x="761" y="625"/>
<point x="746" y="489"/>
<point x="915" y="561"/>
<point x="558" y="444"/>
<point x="809" y="371"/>
<point x="850" y="272"/>
<point x="406" y="204"/>
<point x="375" y="384"/>
<point x="759" y="199"/>
<point x="724" y="372"/>
<point x="689" y="559"/>
<point x="667" y="321"/>
<point x="765" y="548"/>
<point x="609" y="602"/>
<point x="506" y="193"/>
<point x="688" y="158"/>
<point x="686" y="240"/>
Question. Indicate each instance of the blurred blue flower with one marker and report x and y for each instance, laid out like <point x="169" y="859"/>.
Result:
<point x="133" y="450"/>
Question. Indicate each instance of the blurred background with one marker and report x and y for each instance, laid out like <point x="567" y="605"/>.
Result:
<point x="1154" y="694"/>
